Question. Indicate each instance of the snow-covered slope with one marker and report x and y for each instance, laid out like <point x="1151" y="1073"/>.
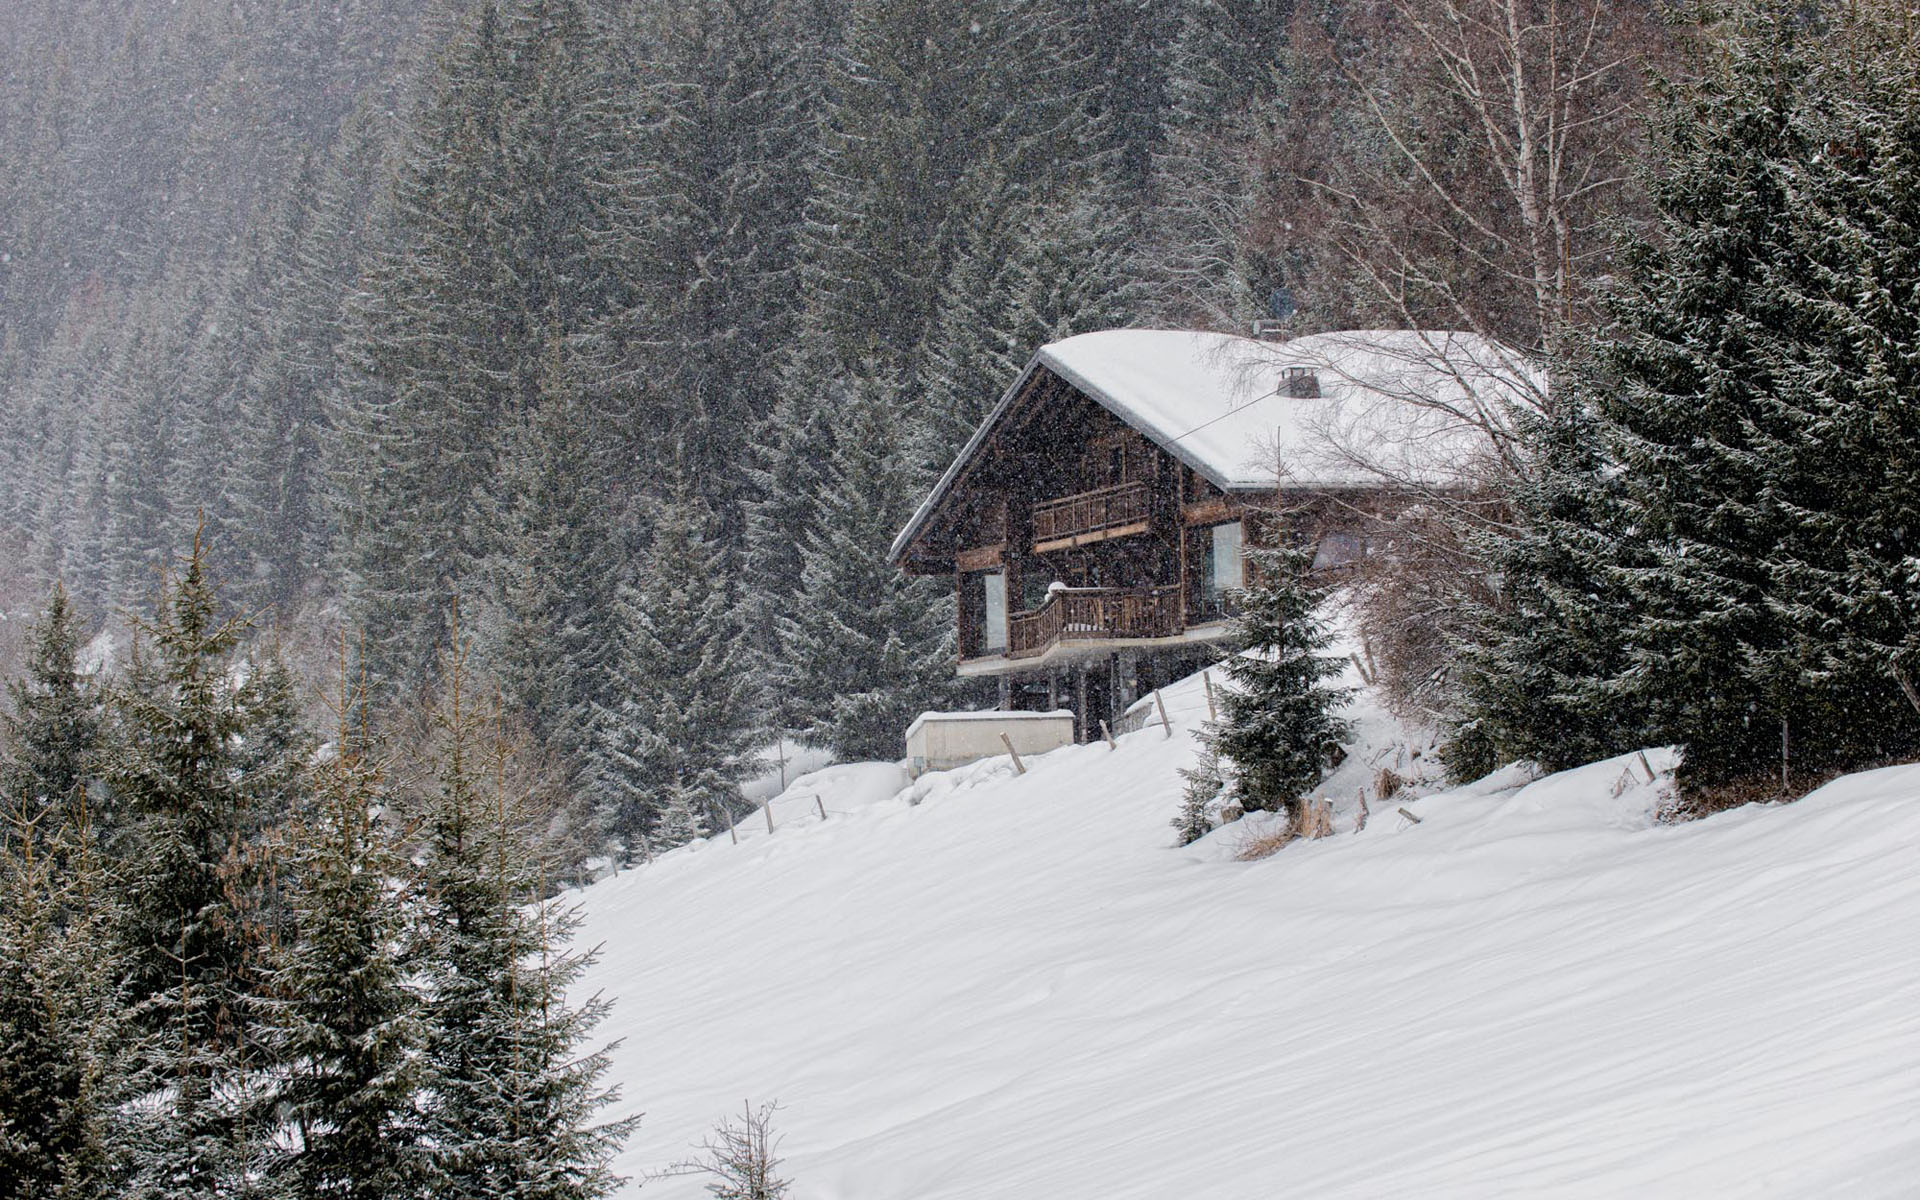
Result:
<point x="986" y="986"/>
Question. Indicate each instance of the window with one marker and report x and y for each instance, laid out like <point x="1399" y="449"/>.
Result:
<point x="1220" y="569"/>
<point x="1338" y="550"/>
<point x="995" y="583"/>
<point x="983" y="613"/>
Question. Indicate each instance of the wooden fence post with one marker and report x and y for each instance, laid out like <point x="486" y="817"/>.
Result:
<point x="1206" y="678"/>
<point x="767" y="808"/>
<point x="1108" y="734"/>
<point x="1019" y="768"/>
<point x="1360" y="822"/>
<point x="1162" y="706"/>
<point x="821" y="805"/>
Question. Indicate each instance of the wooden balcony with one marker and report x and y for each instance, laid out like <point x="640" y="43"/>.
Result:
<point x="1091" y="516"/>
<point x="1094" y="614"/>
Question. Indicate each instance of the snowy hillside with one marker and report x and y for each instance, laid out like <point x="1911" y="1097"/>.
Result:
<point x="1016" y="988"/>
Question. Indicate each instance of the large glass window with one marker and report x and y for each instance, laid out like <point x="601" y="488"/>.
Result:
<point x="995" y="625"/>
<point x="1221" y="571"/>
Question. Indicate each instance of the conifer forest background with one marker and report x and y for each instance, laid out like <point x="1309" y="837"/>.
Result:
<point x="620" y="335"/>
<point x="414" y="302"/>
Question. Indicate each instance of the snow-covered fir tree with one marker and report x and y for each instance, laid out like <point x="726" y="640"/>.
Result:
<point x="556" y="553"/>
<point x="1539" y="675"/>
<point x="1204" y="783"/>
<point x="343" y="1025"/>
<point x="866" y="647"/>
<point x="728" y="117"/>
<point x="1225" y="68"/>
<point x="59" y="1015"/>
<point x="53" y="731"/>
<point x="1279" y="723"/>
<point x="509" y="1091"/>
<point x="494" y="256"/>
<point x="677" y="725"/>
<point x="783" y="481"/>
<point x="1738" y="392"/>
<point x="192" y="915"/>
<point x="1844" y="583"/>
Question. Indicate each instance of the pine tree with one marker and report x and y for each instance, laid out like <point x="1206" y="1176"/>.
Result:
<point x="1687" y="384"/>
<point x="1694" y="560"/>
<point x="511" y="1095"/>
<point x="866" y="647"/>
<point x="192" y="927"/>
<point x="53" y="732"/>
<point x="783" y="478"/>
<point x="1735" y="388"/>
<point x="1226" y="67"/>
<point x="274" y="757"/>
<point x="728" y="117"/>
<point x="919" y="95"/>
<point x="1203" y="788"/>
<point x="344" y="1022"/>
<point x="58" y="1011"/>
<point x="497" y="214"/>
<point x="556" y="562"/>
<point x="1842" y="582"/>
<point x="1541" y="668"/>
<point x="1279" y="724"/>
<point x="675" y="734"/>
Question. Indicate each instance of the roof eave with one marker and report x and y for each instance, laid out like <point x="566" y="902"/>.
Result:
<point x="896" y="554"/>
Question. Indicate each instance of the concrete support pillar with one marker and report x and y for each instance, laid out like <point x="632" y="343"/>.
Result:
<point x="1083" y="720"/>
<point x="1123" y="669"/>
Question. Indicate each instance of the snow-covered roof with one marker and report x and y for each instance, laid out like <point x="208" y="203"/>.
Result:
<point x="1395" y="407"/>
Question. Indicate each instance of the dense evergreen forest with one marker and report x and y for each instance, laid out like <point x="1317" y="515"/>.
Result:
<point x="622" y="335"/>
<point x="542" y="309"/>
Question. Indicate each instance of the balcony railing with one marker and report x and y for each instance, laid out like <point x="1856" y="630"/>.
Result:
<point x="1094" y="614"/>
<point x="1092" y="512"/>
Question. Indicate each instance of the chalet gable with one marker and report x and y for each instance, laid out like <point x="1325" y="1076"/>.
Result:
<point x="1325" y="412"/>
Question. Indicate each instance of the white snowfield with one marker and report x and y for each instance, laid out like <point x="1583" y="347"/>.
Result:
<point x="1017" y="987"/>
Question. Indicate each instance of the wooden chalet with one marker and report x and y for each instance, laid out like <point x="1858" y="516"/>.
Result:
<point x="1095" y="524"/>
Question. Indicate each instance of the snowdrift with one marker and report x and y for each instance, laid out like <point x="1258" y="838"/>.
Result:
<point x="982" y="985"/>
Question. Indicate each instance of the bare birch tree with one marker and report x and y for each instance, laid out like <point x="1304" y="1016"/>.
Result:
<point x="1476" y="151"/>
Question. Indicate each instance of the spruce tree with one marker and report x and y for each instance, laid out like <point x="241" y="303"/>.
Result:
<point x="675" y="734"/>
<point x="783" y="479"/>
<point x="1688" y="387"/>
<point x="866" y="647"/>
<point x="1540" y="672"/>
<point x="1694" y="559"/>
<point x="192" y="928"/>
<point x="1748" y="371"/>
<point x="1279" y="723"/>
<point x="493" y="258"/>
<point x="344" y="1022"/>
<point x="1226" y="67"/>
<point x="511" y="1095"/>
<point x="59" y="1083"/>
<point x="1197" y="798"/>
<point x="1842" y="581"/>
<point x="556" y="561"/>
<point x="729" y="110"/>
<point x="53" y="732"/>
